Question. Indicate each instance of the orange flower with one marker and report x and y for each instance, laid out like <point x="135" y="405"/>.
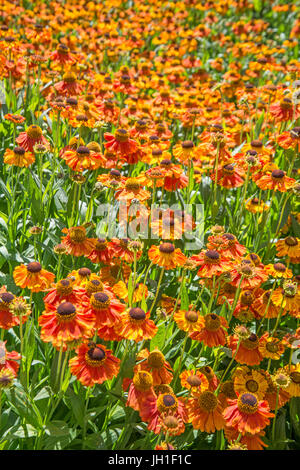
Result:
<point x="271" y="348"/>
<point x="101" y="252"/>
<point x="9" y="359"/>
<point x="247" y="275"/>
<point x="188" y="320"/>
<point x="94" y="364"/>
<point x="132" y="190"/>
<point x="66" y="322"/>
<point x="33" y="276"/>
<point x="278" y="271"/>
<point x="7" y="318"/>
<point x="248" y="414"/>
<point x="265" y="307"/>
<point x="64" y="290"/>
<point x="32" y="136"/>
<point x="212" y="332"/>
<point x="277" y="181"/>
<point x="120" y="249"/>
<point x="205" y="412"/>
<point x="166" y="256"/>
<point x="120" y="143"/>
<point x="165" y="404"/>
<point x="76" y="241"/>
<point x="136" y="325"/>
<point x="229" y="176"/>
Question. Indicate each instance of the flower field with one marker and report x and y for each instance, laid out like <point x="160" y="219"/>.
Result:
<point x="149" y="225"/>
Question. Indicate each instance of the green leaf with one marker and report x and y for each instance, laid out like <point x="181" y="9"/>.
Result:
<point x="158" y="340"/>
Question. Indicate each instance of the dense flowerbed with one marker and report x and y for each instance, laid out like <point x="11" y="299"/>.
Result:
<point x="149" y="225"/>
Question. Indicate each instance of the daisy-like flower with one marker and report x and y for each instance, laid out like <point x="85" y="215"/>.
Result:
<point x="289" y="139"/>
<point x="188" y="320"/>
<point x="211" y="263"/>
<point x="287" y="298"/>
<point x="165" y="404"/>
<point x="248" y="350"/>
<point x="68" y="86"/>
<point x="82" y="159"/>
<point x="120" y="143"/>
<point x="194" y="380"/>
<point x="205" y="412"/>
<point x="76" y="241"/>
<point x="18" y="157"/>
<point x="211" y="377"/>
<point x="271" y="348"/>
<point x="248" y="414"/>
<point x="155" y="363"/>
<point x="101" y="252"/>
<point x="212" y="332"/>
<point x="8" y="317"/>
<point x="174" y="176"/>
<point x="289" y="246"/>
<point x="120" y="248"/>
<point x="32" y="136"/>
<point x="136" y="325"/>
<point x="247" y="275"/>
<point x="64" y="290"/>
<point x="248" y="441"/>
<point x="132" y="190"/>
<point x="248" y="380"/>
<point x="94" y="364"/>
<point x="232" y="249"/>
<point x="166" y="256"/>
<point x="121" y="290"/>
<point x="66" y="322"/>
<point x="33" y="277"/>
<point x="171" y="423"/>
<point x="278" y="271"/>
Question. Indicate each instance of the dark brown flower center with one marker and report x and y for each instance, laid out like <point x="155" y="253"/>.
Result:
<point x="19" y="151"/>
<point x="279" y="267"/>
<point x="277" y="174"/>
<point x="248" y="399"/>
<point x="84" y="272"/>
<point x="137" y="314"/>
<point x="167" y="248"/>
<point x="168" y="400"/>
<point x="96" y="354"/>
<point x="66" y="309"/>
<point x="194" y="381"/>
